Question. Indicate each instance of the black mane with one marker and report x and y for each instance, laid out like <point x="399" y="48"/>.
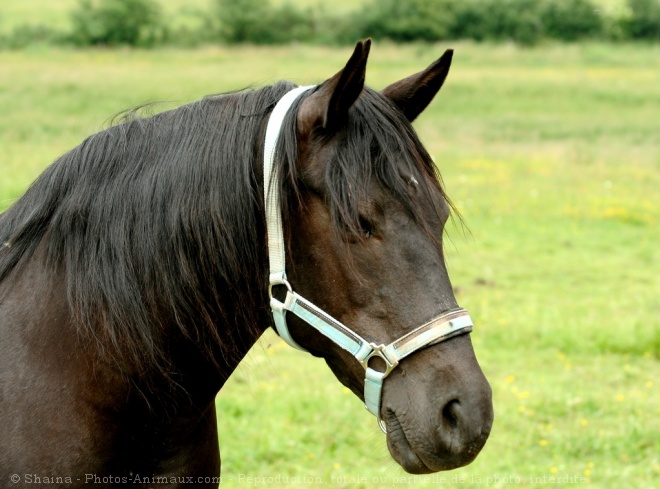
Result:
<point x="158" y="222"/>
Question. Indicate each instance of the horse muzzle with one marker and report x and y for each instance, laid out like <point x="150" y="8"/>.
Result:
<point x="444" y="427"/>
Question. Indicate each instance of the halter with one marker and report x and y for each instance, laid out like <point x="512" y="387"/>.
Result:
<point x="439" y="329"/>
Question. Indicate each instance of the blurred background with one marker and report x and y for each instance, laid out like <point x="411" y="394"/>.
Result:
<point x="547" y="134"/>
<point x="196" y="22"/>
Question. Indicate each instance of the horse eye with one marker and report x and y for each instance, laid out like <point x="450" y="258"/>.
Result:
<point x="363" y="230"/>
<point x="368" y="229"/>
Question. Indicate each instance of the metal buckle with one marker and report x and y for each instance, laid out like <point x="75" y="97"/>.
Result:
<point x="381" y="425"/>
<point x="379" y="351"/>
<point x="276" y="280"/>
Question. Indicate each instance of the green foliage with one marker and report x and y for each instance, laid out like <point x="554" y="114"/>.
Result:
<point x="191" y="23"/>
<point x="644" y="22"/>
<point x="523" y="21"/>
<point x="29" y="34"/>
<point x="116" y="22"/>
<point x="501" y="20"/>
<point x="571" y="20"/>
<point x="258" y="22"/>
<point x="411" y="20"/>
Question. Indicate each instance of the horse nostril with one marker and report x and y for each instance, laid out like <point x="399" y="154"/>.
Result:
<point x="450" y="414"/>
<point x="454" y="433"/>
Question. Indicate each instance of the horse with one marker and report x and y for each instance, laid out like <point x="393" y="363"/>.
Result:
<point x="140" y="267"/>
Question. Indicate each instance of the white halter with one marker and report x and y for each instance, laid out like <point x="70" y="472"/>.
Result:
<point x="438" y="329"/>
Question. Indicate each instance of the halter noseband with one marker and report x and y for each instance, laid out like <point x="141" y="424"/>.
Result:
<point x="439" y="329"/>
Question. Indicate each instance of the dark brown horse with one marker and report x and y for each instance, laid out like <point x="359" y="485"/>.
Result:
<point x="134" y="277"/>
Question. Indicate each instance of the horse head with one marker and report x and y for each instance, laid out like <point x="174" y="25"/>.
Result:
<point x="364" y="213"/>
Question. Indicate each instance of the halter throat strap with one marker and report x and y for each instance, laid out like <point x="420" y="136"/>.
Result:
<point x="441" y="328"/>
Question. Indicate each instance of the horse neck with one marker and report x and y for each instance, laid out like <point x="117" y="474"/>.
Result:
<point x="199" y="324"/>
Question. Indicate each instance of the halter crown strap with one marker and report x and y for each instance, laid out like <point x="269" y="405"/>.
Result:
<point x="438" y="329"/>
<point x="276" y="249"/>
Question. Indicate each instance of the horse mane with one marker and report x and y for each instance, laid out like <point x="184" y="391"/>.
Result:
<point x="153" y="221"/>
<point x="159" y="222"/>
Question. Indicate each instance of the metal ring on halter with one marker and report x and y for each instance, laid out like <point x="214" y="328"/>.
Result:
<point x="379" y="351"/>
<point x="390" y="364"/>
<point x="275" y="280"/>
<point x="381" y="423"/>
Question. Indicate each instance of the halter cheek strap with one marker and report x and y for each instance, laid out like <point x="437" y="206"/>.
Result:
<point x="436" y="330"/>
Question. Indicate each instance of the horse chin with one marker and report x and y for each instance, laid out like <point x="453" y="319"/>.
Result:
<point x="404" y="454"/>
<point x="418" y="460"/>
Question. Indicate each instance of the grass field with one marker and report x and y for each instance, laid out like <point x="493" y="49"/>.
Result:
<point x="553" y="157"/>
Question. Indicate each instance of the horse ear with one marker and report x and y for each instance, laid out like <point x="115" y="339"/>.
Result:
<point x="328" y="106"/>
<point x="414" y="93"/>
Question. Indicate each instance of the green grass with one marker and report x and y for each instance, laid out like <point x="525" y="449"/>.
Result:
<point x="552" y="156"/>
